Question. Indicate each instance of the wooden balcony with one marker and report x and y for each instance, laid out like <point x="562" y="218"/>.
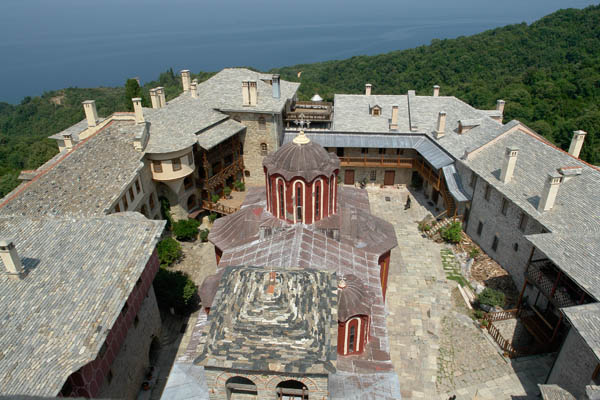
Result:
<point x="556" y="287"/>
<point x="428" y="173"/>
<point x="221" y="177"/>
<point x="381" y="161"/>
<point x="218" y="208"/>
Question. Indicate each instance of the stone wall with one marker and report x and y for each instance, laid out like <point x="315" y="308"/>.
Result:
<point x="129" y="368"/>
<point x="513" y="249"/>
<point x="574" y="365"/>
<point x="266" y="384"/>
<point x="402" y="176"/>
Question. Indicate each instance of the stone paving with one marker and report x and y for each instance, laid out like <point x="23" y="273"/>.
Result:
<point x="436" y="349"/>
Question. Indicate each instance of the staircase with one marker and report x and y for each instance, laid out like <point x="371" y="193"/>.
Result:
<point x="442" y="224"/>
<point x="448" y="201"/>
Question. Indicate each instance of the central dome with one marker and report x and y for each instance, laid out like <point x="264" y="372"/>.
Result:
<point x="301" y="157"/>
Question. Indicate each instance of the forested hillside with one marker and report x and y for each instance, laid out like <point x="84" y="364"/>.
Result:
<point x="548" y="73"/>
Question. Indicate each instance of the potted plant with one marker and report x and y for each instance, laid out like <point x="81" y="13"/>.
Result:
<point x="227" y="192"/>
<point x="215" y="198"/>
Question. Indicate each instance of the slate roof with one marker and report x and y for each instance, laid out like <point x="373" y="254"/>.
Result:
<point x="219" y="133"/>
<point x="85" y="181"/>
<point x="74" y="130"/>
<point x="80" y="272"/>
<point x="454" y="184"/>
<point x="586" y="320"/>
<point x="574" y="221"/>
<point x="292" y="328"/>
<point x="554" y="392"/>
<point x="223" y="91"/>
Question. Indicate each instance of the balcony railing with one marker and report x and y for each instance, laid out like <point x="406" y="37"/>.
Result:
<point x="220" y="177"/>
<point x="381" y="161"/>
<point x="554" y="286"/>
<point x="218" y="208"/>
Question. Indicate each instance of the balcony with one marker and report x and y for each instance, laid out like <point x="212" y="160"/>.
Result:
<point x="221" y="177"/>
<point x="310" y="111"/>
<point x="381" y="161"/>
<point x="555" y="286"/>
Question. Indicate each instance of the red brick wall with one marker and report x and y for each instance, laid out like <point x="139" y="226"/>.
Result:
<point x="86" y="382"/>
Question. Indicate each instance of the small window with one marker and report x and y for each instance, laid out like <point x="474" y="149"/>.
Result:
<point x="138" y="188"/>
<point x="131" y="193"/>
<point x="523" y="222"/>
<point x="125" y="204"/>
<point x="262" y="124"/>
<point x="152" y="201"/>
<point x="263" y="149"/>
<point x="117" y="208"/>
<point x="495" y="243"/>
<point x="190" y="159"/>
<point x="247" y="174"/>
<point x="351" y="339"/>
<point x="176" y="163"/>
<point x="136" y="321"/>
<point x="364" y="150"/>
<point x="376" y="111"/>
<point x="373" y="175"/>
<point x="473" y="180"/>
<point x="157" y="166"/>
<point x="317" y="199"/>
<point x="488" y="192"/>
<point x="504" y="208"/>
<point x="479" y="228"/>
<point x="516" y="246"/>
<point x="381" y="151"/>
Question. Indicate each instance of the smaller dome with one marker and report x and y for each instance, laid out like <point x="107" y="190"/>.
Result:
<point x="316" y="97"/>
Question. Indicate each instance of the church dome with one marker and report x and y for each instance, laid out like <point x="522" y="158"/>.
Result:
<point x="301" y="157"/>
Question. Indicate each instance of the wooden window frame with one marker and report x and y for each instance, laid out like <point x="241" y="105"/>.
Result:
<point x="373" y="175"/>
<point x="264" y="149"/>
<point x="176" y="164"/>
<point x="157" y="166"/>
<point x="262" y="124"/>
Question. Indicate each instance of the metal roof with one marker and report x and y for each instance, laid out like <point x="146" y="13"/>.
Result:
<point x="454" y="184"/>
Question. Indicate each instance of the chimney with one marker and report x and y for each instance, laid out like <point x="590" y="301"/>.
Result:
<point x="186" y="79"/>
<point x="162" y="101"/>
<point x="276" y="87"/>
<point x="245" y="93"/>
<point x="510" y="160"/>
<point x="577" y="143"/>
<point x="436" y="91"/>
<point x="441" y="125"/>
<point x="137" y="108"/>
<point x="10" y="258"/>
<point x="253" y="93"/>
<point x="195" y="80"/>
<point x="368" y="87"/>
<point x="194" y="89"/>
<point x="500" y="106"/>
<point x="154" y="98"/>
<point x="89" y="106"/>
<point x="68" y="139"/>
<point x="394" y="124"/>
<point x="548" y="196"/>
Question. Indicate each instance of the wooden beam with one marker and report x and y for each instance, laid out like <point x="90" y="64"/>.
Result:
<point x="556" y="329"/>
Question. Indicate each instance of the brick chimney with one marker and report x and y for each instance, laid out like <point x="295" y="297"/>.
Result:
<point x="577" y="143"/>
<point x="160" y="91"/>
<point x="510" y="160"/>
<point x="436" y="91"/>
<point x="500" y="106"/>
<point x="276" y="87"/>
<point x="441" y="125"/>
<point x="194" y="89"/>
<point x="154" y="98"/>
<point x="186" y="78"/>
<point x="548" y="196"/>
<point x="394" y="123"/>
<point x="368" y="88"/>
<point x="137" y="108"/>
<point x="89" y="106"/>
<point x="10" y="258"/>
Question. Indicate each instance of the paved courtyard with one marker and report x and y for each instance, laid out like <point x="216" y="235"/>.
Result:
<point x="436" y="349"/>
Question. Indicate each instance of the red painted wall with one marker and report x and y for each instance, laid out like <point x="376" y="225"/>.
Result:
<point x="384" y="266"/>
<point x="87" y="381"/>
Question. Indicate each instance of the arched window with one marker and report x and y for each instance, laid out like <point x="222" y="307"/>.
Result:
<point x="352" y="339"/>
<point x="240" y="385"/>
<point x="292" y="389"/>
<point x="317" y="199"/>
<point x="281" y="201"/>
<point x="262" y="124"/>
<point x="299" y="203"/>
<point x="332" y="186"/>
<point x="263" y="149"/>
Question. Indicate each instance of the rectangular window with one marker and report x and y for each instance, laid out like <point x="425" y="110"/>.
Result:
<point x="131" y="193"/>
<point x="176" y="163"/>
<point x="157" y="166"/>
<point x="299" y="204"/>
<point x="479" y="228"/>
<point x="488" y="192"/>
<point x="364" y="150"/>
<point x="152" y="201"/>
<point x="495" y="243"/>
<point x="504" y="208"/>
<point x="124" y="199"/>
<point x="373" y="175"/>
<point x="138" y="188"/>
<point x="190" y="159"/>
<point x="523" y="222"/>
<point x="381" y="151"/>
<point x="473" y="180"/>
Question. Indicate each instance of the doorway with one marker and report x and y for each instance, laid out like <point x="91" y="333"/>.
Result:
<point x="349" y="177"/>
<point x="389" y="178"/>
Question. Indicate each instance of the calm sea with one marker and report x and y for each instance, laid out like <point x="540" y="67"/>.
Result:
<point x="49" y="45"/>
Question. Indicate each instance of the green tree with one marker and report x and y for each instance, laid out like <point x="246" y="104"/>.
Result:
<point x="169" y="251"/>
<point x="175" y="289"/>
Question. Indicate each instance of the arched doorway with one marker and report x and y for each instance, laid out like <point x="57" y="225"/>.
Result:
<point x="238" y="387"/>
<point x="292" y="390"/>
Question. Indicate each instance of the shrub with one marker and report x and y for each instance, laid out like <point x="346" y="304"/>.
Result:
<point x="174" y="289"/>
<point x="227" y="191"/>
<point x="424" y="227"/>
<point x="204" y="235"/>
<point x="186" y="230"/>
<point x="474" y="252"/>
<point x="240" y="186"/>
<point x="451" y="233"/>
<point x="484" y="322"/>
<point x="215" y="198"/>
<point x="491" y="297"/>
<point x="478" y="314"/>
<point x="212" y="217"/>
<point x="169" y="251"/>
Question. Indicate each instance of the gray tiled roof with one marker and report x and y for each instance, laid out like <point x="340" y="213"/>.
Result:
<point x="223" y="91"/>
<point x="212" y="136"/>
<point x="554" y="392"/>
<point x="454" y="184"/>
<point x="174" y="126"/>
<point x="291" y="330"/>
<point x="574" y="221"/>
<point x="435" y="155"/>
<point x="80" y="272"/>
<point x="586" y="320"/>
<point x="85" y="181"/>
<point x="74" y="130"/>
